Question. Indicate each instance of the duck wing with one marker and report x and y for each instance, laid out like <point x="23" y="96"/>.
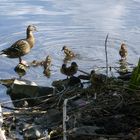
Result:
<point x="19" y="48"/>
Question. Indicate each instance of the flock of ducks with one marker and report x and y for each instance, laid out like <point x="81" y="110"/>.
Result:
<point x="24" y="46"/>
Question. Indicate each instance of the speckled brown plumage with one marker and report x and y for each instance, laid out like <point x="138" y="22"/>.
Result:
<point x="69" y="71"/>
<point x="22" y="46"/>
<point x="47" y="62"/>
<point x="97" y="79"/>
<point x="123" y="51"/>
<point x="68" y="52"/>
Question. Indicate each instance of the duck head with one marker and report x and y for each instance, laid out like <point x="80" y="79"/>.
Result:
<point x="48" y="57"/>
<point x="74" y="64"/>
<point x="64" y="66"/>
<point x="92" y="72"/>
<point x="64" y="47"/>
<point x="31" y="28"/>
<point x="123" y="46"/>
<point x="30" y="36"/>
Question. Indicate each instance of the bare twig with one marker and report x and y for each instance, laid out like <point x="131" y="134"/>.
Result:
<point x="106" y="56"/>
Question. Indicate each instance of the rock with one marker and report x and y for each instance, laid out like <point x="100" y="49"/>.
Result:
<point x="32" y="133"/>
<point x="125" y="77"/>
<point x="28" y="89"/>
<point x="54" y="116"/>
<point x="84" y="130"/>
<point x="74" y="81"/>
<point x="60" y="84"/>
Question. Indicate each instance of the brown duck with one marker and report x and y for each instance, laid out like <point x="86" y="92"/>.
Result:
<point x="97" y="79"/>
<point x="123" y="51"/>
<point x="47" y="65"/>
<point x="22" y="46"/>
<point x="47" y="62"/>
<point x="68" y="52"/>
<point x="69" y="71"/>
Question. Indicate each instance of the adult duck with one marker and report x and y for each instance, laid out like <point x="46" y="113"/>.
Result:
<point x="22" y="46"/>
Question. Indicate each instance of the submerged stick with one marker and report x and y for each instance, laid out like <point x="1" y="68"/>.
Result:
<point x="83" y="72"/>
<point x="106" y="56"/>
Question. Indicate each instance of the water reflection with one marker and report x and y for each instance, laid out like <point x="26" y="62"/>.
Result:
<point x="21" y="69"/>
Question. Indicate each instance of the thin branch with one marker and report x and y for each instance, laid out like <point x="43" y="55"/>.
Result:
<point x="106" y="56"/>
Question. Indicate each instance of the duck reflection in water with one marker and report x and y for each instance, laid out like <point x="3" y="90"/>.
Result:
<point x="47" y="72"/>
<point x="21" y="69"/>
<point x="123" y="69"/>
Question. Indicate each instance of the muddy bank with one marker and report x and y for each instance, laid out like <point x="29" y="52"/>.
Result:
<point x="108" y="111"/>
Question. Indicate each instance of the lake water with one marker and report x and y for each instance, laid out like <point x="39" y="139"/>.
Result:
<point x="81" y="25"/>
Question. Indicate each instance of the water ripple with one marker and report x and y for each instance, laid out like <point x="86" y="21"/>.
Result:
<point x="80" y="25"/>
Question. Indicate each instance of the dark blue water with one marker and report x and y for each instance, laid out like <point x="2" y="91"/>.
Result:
<point x="82" y="25"/>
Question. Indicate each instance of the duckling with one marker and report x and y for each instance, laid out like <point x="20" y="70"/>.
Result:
<point x="68" y="52"/>
<point x="123" y="51"/>
<point x="97" y="79"/>
<point x="22" y="46"/>
<point x="47" y="62"/>
<point x="69" y="71"/>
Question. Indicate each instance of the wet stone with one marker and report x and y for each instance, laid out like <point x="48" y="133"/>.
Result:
<point x="32" y="133"/>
